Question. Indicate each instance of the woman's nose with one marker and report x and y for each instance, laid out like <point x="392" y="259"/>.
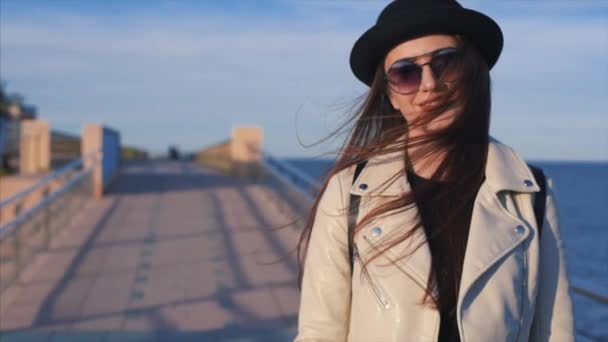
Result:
<point x="428" y="81"/>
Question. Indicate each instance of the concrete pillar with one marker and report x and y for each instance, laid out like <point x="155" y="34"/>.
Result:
<point x="246" y="150"/>
<point x="105" y="143"/>
<point x="35" y="147"/>
<point x="91" y="141"/>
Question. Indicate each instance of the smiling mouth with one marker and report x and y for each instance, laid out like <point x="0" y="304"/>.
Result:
<point x="430" y="104"/>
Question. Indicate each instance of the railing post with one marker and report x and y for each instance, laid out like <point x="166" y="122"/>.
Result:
<point x="17" y="251"/>
<point x="17" y="209"/>
<point x="47" y="219"/>
<point x="70" y="211"/>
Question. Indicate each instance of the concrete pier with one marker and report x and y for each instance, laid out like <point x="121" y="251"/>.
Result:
<point x="172" y="252"/>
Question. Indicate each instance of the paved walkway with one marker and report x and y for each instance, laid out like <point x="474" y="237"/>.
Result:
<point x="174" y="253"/>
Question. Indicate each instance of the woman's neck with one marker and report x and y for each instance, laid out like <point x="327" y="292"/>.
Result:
<point x="426" y="166"/>
<point x="425" y="160"/>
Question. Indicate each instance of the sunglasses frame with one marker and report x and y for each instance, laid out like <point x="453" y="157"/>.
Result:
<point x="451" y="49"/>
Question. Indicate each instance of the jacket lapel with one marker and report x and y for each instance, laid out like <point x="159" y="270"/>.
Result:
<point x="493" y="234"/>
<point x="493" y="231"/>
<point x="383" y="177"/>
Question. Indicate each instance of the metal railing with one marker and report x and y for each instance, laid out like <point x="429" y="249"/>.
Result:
<point x="599" y="298"/>
<point x="39" y="212"/>
<point x="301" y="182"/>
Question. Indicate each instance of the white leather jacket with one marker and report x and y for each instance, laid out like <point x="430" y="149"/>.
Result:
<point x="513" y="288"/>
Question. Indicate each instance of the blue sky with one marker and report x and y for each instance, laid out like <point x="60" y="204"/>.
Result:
<point x="186" y="72"/>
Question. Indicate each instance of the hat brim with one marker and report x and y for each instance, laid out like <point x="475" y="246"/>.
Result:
<point x="371" y="48"/>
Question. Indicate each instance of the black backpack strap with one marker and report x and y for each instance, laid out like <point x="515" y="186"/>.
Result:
<point x="540" y="198"/>
<point x="353" y="212"/>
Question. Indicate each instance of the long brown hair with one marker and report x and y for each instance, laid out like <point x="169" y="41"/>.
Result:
<point x="378" y="129"/>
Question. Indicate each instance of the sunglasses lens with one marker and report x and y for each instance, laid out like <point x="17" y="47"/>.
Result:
<point x="445" y="65"/>
<point x="404" y="76"/>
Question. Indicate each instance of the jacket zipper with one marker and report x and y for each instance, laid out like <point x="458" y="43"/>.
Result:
<point x="523" y="290"/>
<point x="382" y="300"/>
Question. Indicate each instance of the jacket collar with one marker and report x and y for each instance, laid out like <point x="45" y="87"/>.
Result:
<point x="505" y="170"/>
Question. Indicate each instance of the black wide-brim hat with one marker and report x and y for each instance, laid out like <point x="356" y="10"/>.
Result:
<point x="403" y="20"/>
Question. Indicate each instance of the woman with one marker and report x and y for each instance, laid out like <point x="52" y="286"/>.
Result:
<point x="446" y="244"/>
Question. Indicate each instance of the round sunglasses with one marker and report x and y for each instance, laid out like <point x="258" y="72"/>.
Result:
<point x="404" y="76"/>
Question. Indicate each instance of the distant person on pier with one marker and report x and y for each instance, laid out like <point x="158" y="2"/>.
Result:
<point x="427" y="228"/>
<point x="173" y="153"/>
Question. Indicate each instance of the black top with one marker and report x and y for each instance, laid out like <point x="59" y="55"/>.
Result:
<point x="452" y="237"/>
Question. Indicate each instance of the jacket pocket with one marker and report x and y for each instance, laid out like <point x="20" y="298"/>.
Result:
<point x="374" y="287"/>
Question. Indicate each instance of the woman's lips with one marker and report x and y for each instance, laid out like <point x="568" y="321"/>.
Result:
<point x="428" y="105"/>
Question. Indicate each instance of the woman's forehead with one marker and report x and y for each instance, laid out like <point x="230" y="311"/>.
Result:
<point x="419" y="46"/>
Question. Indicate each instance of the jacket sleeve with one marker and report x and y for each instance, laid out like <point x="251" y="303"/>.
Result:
<point x="554" y="319"/>
<point x="326" y="285"/>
